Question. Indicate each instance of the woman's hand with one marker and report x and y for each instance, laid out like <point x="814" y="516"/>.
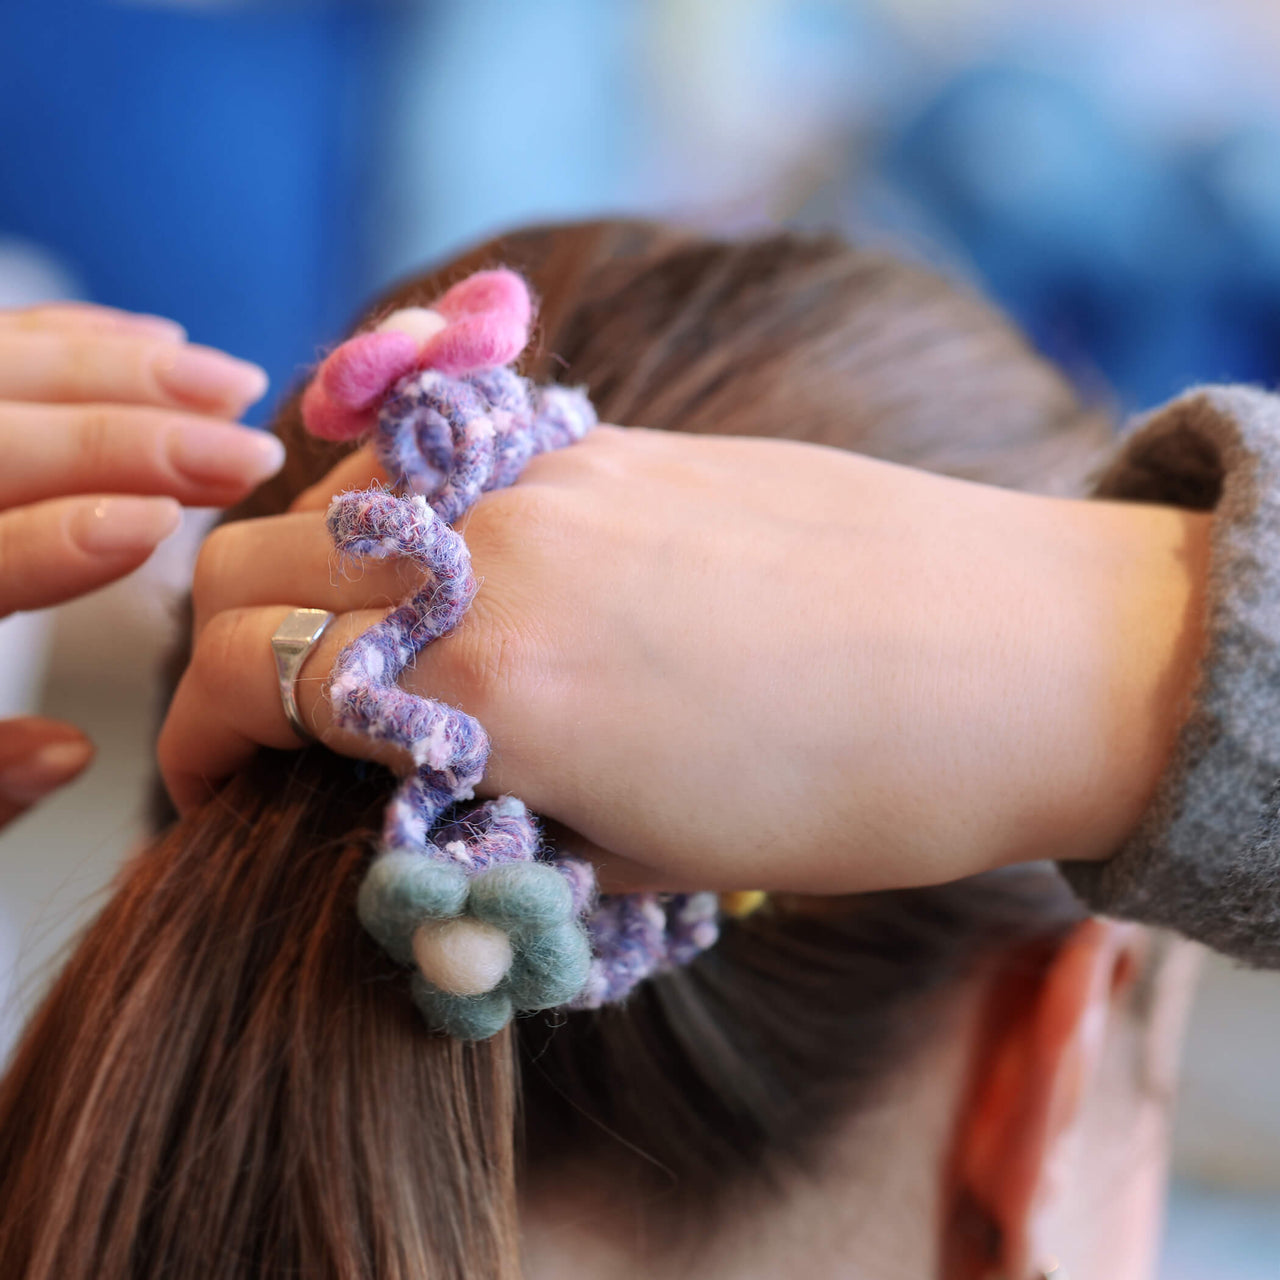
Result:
<point x="108" y="421"/>
<point x="737" y="663"/>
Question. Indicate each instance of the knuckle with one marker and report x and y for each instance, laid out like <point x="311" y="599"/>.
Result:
<point x="213" y="563"/>
<point x="143" y="364"/>
<point x="96" y="438"/>
<point x="491" y="658"/>
<point x="609" y="444"/>
<point x="219" y="652"/>
<point x="510" y="524"/>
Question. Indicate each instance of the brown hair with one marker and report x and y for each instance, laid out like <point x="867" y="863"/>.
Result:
<point x="228" y="1078"/>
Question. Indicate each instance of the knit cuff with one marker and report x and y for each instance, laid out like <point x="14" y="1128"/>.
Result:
<point x="1205" y="858"/>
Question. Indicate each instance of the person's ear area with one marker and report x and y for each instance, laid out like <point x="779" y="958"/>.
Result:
<point x="1042" y="1045"/>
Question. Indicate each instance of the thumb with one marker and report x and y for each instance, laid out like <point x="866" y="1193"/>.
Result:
<point x="37" y="756"/>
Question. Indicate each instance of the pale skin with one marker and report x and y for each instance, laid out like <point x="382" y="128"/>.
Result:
<point x="744" y="663"/>
<point x="109" y="422"/>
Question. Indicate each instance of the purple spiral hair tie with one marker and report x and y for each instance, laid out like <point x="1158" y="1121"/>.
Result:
<point x="492" y="922"/>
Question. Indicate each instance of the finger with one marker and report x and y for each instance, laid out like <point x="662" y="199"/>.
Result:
<point x="252" y="563"/>
<point x="358" y="470"/>
<point x="227" y="703"/>
<point x="53" y="551"/>
<point x="76" y="368"/>
<point x="37" y="756"/>
<point x="89" y="317"/>
<point x="56" y="450"/>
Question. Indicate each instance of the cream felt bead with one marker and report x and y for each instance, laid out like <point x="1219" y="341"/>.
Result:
<point x="420" y="323"/>
<point x="463" y="957"/>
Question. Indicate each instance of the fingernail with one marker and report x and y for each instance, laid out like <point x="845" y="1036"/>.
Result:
<point x="124" y="526"/>
<point x="201" y="375"/>
<point x="214" y="453"/>
<point x="49" y="768"/>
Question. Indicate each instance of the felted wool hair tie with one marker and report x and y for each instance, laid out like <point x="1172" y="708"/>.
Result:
<point x="492" y="923"/>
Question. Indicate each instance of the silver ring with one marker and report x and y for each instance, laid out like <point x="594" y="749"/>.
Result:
<point x="293" y="640"/>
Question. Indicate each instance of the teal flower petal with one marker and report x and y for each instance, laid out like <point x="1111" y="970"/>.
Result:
<point x="466" y="1017"/>
<point x="521" y="896"/>
<point x="400" y="891"/>
<point x="550" y="967"/>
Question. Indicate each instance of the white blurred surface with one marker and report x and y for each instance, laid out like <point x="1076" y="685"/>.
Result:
<point x="23" y="656"/>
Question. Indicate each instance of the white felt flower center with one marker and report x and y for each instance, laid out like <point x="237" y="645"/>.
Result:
<point x="464" y="957"/>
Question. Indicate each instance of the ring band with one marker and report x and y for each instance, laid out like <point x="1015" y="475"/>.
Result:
<point x="293" y="640"/>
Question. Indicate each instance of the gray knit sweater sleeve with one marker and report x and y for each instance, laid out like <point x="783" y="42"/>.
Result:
<point x="1205" y="858"/>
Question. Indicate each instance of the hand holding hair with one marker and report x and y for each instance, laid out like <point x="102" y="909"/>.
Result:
<point x="742" y="663"/>
<point x="108" y="421"/>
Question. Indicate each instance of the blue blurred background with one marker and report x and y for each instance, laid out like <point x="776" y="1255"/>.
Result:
<point x="1109" y="171"/>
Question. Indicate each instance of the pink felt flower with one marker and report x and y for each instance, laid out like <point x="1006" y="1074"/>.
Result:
<point x="480" y="323"/>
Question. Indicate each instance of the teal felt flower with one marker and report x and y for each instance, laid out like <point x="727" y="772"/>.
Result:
<point x="524" y="944"/>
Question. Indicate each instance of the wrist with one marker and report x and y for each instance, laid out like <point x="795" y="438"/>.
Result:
<point x="1138" y="575"/>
